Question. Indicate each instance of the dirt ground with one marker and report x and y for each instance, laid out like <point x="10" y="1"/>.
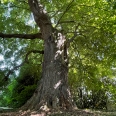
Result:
<point x="59" y="113"/>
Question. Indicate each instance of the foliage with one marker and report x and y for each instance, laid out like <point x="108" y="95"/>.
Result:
<point x="21" y="88"/>
<point x="92" y="56"/>
<point x="18" y="99"/>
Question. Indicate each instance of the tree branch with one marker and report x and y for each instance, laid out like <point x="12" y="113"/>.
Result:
<point x="25" y="61"/>
<point x="67" y="8"/>
<point x="71" y="21"/>
<point x="22" y="36"/>
<point x="73" y="37"/>
<point x="32" y="51"/>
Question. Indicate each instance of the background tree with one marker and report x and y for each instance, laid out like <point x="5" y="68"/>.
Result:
<point x="86" y="28"/>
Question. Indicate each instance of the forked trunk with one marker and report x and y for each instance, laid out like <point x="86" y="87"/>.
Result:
<point x="53" y="90"/>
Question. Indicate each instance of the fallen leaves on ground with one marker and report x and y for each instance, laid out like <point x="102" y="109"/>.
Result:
<point x="59" y="113"/>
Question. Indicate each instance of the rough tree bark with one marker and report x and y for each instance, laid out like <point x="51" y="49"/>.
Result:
<point x="53" y="90"/>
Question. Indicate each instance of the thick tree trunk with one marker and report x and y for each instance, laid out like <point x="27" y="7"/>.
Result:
<point x="53" y="90"/>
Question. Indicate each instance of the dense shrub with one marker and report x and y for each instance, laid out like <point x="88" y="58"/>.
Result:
<point x="18" y="99"/>
<point x="21" y="88"/>
<point x="91" y="99"/>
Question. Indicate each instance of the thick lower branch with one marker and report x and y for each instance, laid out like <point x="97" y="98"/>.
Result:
<point x="22" y="36"/>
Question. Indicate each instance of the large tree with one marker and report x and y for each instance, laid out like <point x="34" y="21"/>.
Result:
<point x="79" y="25"/>
<point x="53" y="90"/>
